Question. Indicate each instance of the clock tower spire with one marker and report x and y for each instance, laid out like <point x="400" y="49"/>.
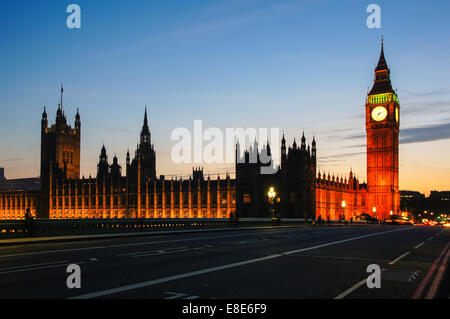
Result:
<point x="382" y="127"/>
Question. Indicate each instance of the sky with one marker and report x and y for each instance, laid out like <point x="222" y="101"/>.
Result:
<point x="297" y="65"/>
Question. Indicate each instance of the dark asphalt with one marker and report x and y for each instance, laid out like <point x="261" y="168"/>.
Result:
<point x="283" y="263"/>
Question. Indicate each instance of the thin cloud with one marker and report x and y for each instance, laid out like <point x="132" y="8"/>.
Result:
<point x="342" y="155"/>
<point x="437" y="107"/>
<point x="437" y="92"/>
<point x="426" y="133"/>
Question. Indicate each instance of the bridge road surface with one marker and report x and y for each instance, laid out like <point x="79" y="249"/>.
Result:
<point x="280" y="263"/>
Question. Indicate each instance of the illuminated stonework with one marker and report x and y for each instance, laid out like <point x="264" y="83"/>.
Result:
<point x="300" y="191"/>
<point x="383" y="145"/>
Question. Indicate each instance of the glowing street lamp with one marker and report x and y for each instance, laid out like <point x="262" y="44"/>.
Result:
<point x="271" y="194"/>
<point x="374" y="210"/>
<point x="343" y="208"/>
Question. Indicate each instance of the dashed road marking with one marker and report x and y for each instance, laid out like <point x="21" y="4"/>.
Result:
<point x="351" y="289"/>
<point x="419" y="245"/>
<point x="393" y="262"/>
<point x="222" y="267"/>
<point x="52" y="251"/>
<point x="39" y="268"/>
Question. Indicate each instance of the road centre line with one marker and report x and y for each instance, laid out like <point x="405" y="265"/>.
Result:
<point x="144" y="243"/>
<point x="52" y="251"/>
<point x="393" y="262"/>
<point x="152" y="251"/>
<point x="351" y="289"/>
<point x="39" y="268"/>
<point x="218" y="268"/>
<point x="34" y="265"/>
<point x="359" y="284"/>
<point x="193" y="239"/>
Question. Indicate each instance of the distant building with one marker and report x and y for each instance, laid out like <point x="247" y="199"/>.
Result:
<point x="440" y="196"/>
<point x="2" y="174"/>
<point x="411" y="195"/>
<point x="21" y="184"/>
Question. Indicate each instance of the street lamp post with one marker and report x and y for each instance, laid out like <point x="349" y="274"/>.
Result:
<point x="271" y="194"/>
<point x="374" y="209"/>
<point x="343" y="209"/>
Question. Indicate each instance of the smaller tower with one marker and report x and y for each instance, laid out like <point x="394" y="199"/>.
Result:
<point x="283" y="152"/>
<point x="44" y="121"/>
<point x="303" y="147"/>
<point x="78" y="121"/>
<point x="116" y="170"/>
<point x="314" y="148"/>
<point x="102" y="167"/>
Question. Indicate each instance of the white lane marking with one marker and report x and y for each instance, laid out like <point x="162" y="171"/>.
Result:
<point x="175" y="295"/>
<point x="52" y="251"/>
<point x="34" y="265"/>
<point x="351" y="289"/>
<point x="342" y="258"/>
<point x="340" y="242"/>
<point x="140" y="243"/>
<point x="170" y="278"/>
<point x="160" y="253"/>
<point x="359" y="284"/>
<point x="430" y="238"/>
<point x="419" y="245"/>
<point x="192" y="297"/>
<point x="167" y="250"/>
<point x="243" y="242"/>
<point x="38" y="268"/>
<point x="213" y="269"/>
<point x="398" y="258"/>
<point x="197" y="238"/>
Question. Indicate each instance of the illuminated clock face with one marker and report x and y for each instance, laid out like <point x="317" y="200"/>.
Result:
<point x="379" y="113"/>
<point x="396" y="114"/>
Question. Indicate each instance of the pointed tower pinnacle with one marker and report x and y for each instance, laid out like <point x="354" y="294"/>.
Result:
<point x="62" y="91"/>
<point x="145" y="133"/>
<point x="145" y="117"/>
<point x="382" y="83"/>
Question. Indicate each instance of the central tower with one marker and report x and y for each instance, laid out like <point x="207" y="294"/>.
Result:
<point x="60" y="144"/>
<point x="382" y="126"/>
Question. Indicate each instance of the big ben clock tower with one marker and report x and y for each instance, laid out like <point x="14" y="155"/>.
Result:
<point x="382" y="126"/>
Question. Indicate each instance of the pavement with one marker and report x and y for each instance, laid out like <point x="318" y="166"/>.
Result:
<point x="256" y="263"/>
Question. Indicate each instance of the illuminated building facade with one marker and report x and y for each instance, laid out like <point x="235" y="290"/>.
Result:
<point x="60" y="144"/>
<point x="138" y="194"/>
<point x="382" y="126"/>
<point x="293" y="181"/>
<point x="301" y="191"/>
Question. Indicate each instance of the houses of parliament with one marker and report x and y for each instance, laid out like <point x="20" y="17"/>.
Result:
<point x="135" y="191"/>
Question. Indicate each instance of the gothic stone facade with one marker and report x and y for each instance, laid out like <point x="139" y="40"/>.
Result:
<point x="301" y="192"/>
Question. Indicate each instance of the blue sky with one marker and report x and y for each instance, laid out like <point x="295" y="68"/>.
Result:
<point x="234" y="63"/>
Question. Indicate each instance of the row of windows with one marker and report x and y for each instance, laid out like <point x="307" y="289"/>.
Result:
<point x="151" y="214"/>
<point x="132" y="199"/>
<point x="67" y="157"/>
<point x="14" y="202"/>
